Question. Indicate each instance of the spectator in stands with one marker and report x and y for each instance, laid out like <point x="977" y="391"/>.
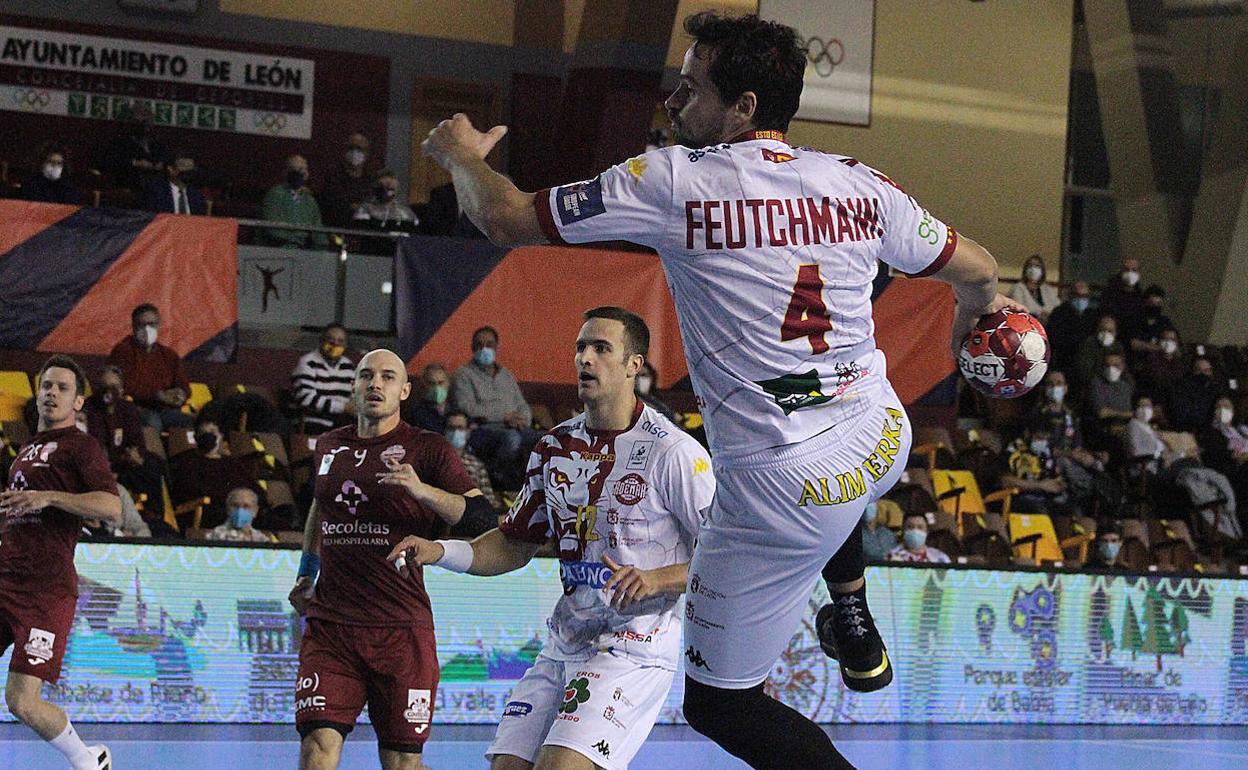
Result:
<point x="1032" y="292"/>
<point x="458" y="430"/>
<point x="134" y="156"/>
<point x="292" y="202"/>
<point x="1070" y="324"/>
<point x="489" y="394"/>
<point x="1123" y="298"/>
<point x="914" y="546"/>
<point x="1109" y="394"/>
<point x="116" y="423"/>
<point x="153" y="373"/>
<point x="1108" y="548"/>
<point x="877" y="539"/>
<point x="209" y="471"/>
<point x="430" y="410"/>
<point x="321" y="382"/>
<point x="242" y="505"/>
<point x="442" y="215"/>
<point x="382" y="207"/>
<point x="1147" y="337"/>
<point x="131" y="524"/>
<point x="1031" y="467"/>
<point x="1224" y="446"/>
<point x="1090" y="359"/>
<point x="1083" y="471"/>
<point x="175" y="192"/>
<point x="50" y="183"/>
<point x="647" y="380"/>
<point x="347" y="184"/>
<point x="1190" y="406"/>
<point x="1162" y="368"/>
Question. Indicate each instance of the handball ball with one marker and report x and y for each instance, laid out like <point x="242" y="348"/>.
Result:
<point x="1006" y="354"/>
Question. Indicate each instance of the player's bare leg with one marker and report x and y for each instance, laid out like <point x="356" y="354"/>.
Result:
<point x="847" y="632"/>
<point x="320" y="750"/>
<point x="562" y="758"/>
<point x="510" y="762"/>
<point x="22" y="696"/>
<point x="401" y="760"/>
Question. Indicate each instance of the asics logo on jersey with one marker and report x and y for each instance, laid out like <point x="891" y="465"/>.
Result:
<point x="593" y="574"/>
<point x="758" y="222"/>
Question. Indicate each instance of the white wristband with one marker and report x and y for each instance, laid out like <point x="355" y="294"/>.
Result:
<point x="457" y="556"/>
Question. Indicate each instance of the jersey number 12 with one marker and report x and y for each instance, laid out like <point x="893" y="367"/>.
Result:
<point x="807" y="315"/>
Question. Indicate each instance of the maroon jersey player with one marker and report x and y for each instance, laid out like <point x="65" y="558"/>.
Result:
<point x="369" y="636"/>
<point x="60" y="477"/>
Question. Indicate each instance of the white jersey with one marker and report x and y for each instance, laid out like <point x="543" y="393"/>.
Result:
<point x="769" y="252"/>
<point x="638" y="494"/>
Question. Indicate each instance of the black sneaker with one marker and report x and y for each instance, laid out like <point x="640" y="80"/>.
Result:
<point x="848" y="635"/>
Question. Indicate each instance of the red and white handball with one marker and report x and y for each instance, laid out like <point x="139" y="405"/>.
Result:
<point x="1006" y="354"/>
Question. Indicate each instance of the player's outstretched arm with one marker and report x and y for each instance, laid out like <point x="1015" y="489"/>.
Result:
<point x="631" y="585"/>
<point x="972" y="272"/>
<point x="105" y="506"/>
<point x="504" y="213"/>
<point x="310" y="564"/>
<point x="448" y="506"/>
<point x="490" y="554"/>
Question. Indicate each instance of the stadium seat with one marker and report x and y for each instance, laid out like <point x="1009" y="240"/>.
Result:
<point x="187" y="516"/>
<point x="890" y="513"/>
<point x="1173" y="549"/>
<point x="1135" y="552"/>
<point x="942" y="533"/>
<point x="180" y="440"/>
<point x="15" y="391"/>
<point x="15" y="432"/>
<point x="958" y="493"/>
<point x="152" y="441"/>
<point x="1032" y="535"/>
<point x="986" y="535"/>
<point x="200" y="395"/>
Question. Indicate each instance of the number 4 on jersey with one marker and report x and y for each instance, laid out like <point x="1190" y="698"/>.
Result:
<point x="807" y="315"/>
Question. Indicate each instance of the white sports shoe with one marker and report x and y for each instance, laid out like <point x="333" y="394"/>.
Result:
<point x="103" y="757"/>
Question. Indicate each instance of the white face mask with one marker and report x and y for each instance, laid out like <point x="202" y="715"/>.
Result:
<point x="1169" y="346"/>
<point x="52" y="171"/>
<point x="1144" y="413"/>
<point x="1034" y="273"/>
<point x="644" y="383"/>
<point x="1106" y="338"/>
<point x="147" y="334"/>
<point x="1057" y="393"/>
<point x="1226" y="415"/>
<point x="1131" y="277"/>
<point x="1113" y="373"/>
<point x="356" y="157"/>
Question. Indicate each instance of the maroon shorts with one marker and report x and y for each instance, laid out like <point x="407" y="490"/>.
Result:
<point x="39" y="628"/>
<point x="393" y="670"/>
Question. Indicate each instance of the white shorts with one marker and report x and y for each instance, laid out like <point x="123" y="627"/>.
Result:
<point x="778" y="516"/>
<point x="602" y="708"/>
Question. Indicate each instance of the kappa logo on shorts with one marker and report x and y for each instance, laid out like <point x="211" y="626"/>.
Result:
<point x="603" y="748"/>
<point x="419" y="709"/>
<point x="39" y="647"/>
<point x="580" y="201"/>
<point x="695" y="658"/>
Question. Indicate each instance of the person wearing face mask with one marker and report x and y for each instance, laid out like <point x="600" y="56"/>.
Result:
<point x="429" y="411"/>
<point x="645" y="385"/>
<point x="384" y="209"/>
<point x="209" y="470"/>
<point x="1090" y="360"/>
<point x="1030" y="464"/>
<point x="348" y="184"/>
<point x="877" y="538"/>
<point x="321" y="382"/>
<point x="115" y="422"/>
<point x="1110" y="393"/>
<point x="1191" y="401"/>
<point x="1163" y="367"/>
<point x="153" y="373"/>
<point x="49" y="183"/>
<point x="1070" y="324"/>
<point x="1107" y="551"/>
<point x="489" y="394"/>
<point x="134" y="155"/>
<point x="1224" y="446"/>
<point x="457" y="430"/>
<point x="914" y="547"/>
<point x="242" y="505"/>
<point x="1147" y="338"/>
<point x="292" y="202"/>
<point x="1123" y="298"/>
<point x="1032" y="292"/>
<point x="176" y="191"/>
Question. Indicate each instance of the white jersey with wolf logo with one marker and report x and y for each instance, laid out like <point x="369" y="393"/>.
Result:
<point x="638" y="494"/>
<point x="770" y="252"/>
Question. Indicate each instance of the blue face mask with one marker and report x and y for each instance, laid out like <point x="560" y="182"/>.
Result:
<point x="458" y="438"/>
<point x="1080" y="304"/>
<point x="240" y="517"/>
<point x="870" y="512"/>
<point x="914" y="538"/>
<point x="1109" y="551"/>
<point x="484" y="356"/>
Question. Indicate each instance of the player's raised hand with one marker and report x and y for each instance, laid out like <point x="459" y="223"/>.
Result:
<point x="403" y="475"/>
<point x="964" y="319"/>
<point x="301" y="595"/>
<point x="631" y="585"/>
<point x="415" y="552"/>
<point x="19" y="502"/>
<point x="457" y="139"/>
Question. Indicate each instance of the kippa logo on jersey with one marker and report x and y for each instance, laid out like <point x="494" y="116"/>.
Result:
<point x="351" y="496"/>
<point x="419" y="709"/>
<point x="39" y="647"/>
<point x="580" y="201"/>
<point x="777" y="157"/>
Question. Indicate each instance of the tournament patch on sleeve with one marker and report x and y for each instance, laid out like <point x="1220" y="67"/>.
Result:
<point x="580" y="201"/>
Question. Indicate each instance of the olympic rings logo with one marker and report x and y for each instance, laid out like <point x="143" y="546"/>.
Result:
<point x="30" y="99"/>
<point x="825" y="56"/>
<point x="268" y="121"/>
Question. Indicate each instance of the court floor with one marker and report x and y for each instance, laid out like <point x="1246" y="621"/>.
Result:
<point x="869" y="747"/>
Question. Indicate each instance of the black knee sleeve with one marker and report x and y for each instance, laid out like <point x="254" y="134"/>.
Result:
<point x="759" y="729"/>
<point x="847" y="564"/>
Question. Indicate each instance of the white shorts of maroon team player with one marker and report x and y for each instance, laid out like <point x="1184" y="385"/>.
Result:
<point x="602" y="708"/>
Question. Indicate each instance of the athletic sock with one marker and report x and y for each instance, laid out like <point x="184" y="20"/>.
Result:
<point x="69" y="744"/>
<point x="847" y="564"/>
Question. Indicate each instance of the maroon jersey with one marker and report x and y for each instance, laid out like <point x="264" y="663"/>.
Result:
<point x="37" y="549"/>
<point x="361" y="520"/>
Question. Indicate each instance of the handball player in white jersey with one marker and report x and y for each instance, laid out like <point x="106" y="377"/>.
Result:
<point x="621" y="492"/>
<point x="769" y="251"/>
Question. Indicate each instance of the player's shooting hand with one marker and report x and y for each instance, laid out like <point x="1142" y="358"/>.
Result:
<point x="457" y="139"/>
<point x="15" y="502"/>
<point x="301" y="595"/>
<point x="965" y="318"/>
<point x="416" y="552"/>
<point x="631" y="585"/>
<point x="403" y="475"/>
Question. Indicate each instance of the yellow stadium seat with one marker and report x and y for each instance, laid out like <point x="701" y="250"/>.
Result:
<point x="15" y="391"/>
<point x="958" y="493"/>
<point x="200" y="395"/>
<point x="1033" y="538"/>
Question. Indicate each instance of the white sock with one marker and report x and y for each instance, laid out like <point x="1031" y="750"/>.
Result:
<point x="69" y="744"/>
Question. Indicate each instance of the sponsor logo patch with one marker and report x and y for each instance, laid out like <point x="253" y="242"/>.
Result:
<point x="517" y="708"/>
<point x="630" y="489"/>
<point x="594" y="574"/>
<point x="580" y="201"/>
<point x="639" y="456"/>
<point x="394" y="452"/>
<point x="576" y="693"/>
<point x="419" y="709"/>
<point x="39" y="647"/>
